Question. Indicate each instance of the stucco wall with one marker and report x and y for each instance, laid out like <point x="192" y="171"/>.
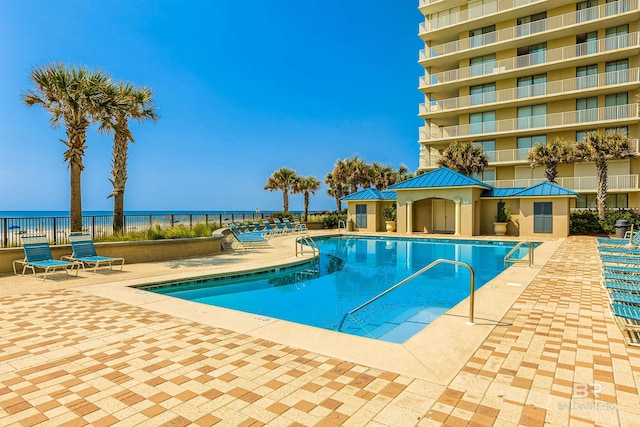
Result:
<point x="132" y="252"/>
<point x="375" y="214"/>
<point x="560" y="217"/>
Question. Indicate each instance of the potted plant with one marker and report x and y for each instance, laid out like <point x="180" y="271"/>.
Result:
<point x="390" y="215"/>
<point x="502" y="218"/>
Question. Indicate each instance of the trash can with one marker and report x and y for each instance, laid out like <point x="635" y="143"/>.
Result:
<point x="622" y="226"/>
<point x="349" y="225"/>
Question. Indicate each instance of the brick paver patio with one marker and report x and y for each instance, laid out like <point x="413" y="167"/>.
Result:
<point x="71" y="358"/>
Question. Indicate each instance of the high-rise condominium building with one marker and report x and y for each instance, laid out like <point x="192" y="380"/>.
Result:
<point x="508" y="74"/>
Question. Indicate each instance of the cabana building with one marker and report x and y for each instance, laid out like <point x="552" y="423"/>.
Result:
<point x="443" y="201"/>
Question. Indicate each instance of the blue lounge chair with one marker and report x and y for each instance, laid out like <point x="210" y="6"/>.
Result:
<point x="271" y="228"/>
<point x="619" y="277"/>
<point x="623" y="250"/>
<point x="248" y="239"/>
<point x="612" y="268"/>
<point x="626" y="298"/>
<point x="635" y="240"/>
<point x="627" y="312"/>
<point x="38" y="255"/>
<point x="290" y="226"/>
<point x="281" y="226"/>
<point x="300" y="226"/>
<point x="620" y="259"/>
<point x="85" y="252"/>
<point x="613" y="285"/>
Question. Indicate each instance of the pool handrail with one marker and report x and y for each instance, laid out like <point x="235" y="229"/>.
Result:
<point x="472" y="289"/>
<point x="306" y="238"/>
<point x="530" y="246"/>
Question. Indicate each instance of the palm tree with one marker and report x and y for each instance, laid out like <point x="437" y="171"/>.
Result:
<point x="335" y="189"/>
<point x="133" y="104"/>
<point x="282" y="180"/>
<point x="75" y="97"/>
<point x="549" y="155"/>
<point x="464" y="157"/>
<point x="600" y="148"/>
<point x="351" y="173"/>
<point x="380" y="176"/>
<point x="306" y="185"/>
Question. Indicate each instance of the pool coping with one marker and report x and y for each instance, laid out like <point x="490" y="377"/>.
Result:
<point x="417" y="357"/>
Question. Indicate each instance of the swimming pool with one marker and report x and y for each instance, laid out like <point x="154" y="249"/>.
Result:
<point x="350" y="271"/>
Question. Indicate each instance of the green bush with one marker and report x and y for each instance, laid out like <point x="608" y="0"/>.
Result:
<point x="332" y="220"/>
<point x="156" y="232"/>
<point x="281" y="215"/>
<point x="588" y="222"/>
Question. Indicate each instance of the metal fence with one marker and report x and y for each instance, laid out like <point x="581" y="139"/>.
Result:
<point x="57" y="228"/>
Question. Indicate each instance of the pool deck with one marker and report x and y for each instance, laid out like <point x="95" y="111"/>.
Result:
<point x="90" y="350"/>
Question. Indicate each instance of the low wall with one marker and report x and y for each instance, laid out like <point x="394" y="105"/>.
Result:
<point x="132" y="252"/>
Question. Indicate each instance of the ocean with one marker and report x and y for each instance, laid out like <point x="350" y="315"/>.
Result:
<point x="40" y="214"/>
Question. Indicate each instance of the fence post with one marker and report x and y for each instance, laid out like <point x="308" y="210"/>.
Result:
<point x="190" y="221"/>
<point x="55" y="230"/>
<point x="93" y="227"/>
<point x="5" y="233"/>
<point x="171" y="218"/>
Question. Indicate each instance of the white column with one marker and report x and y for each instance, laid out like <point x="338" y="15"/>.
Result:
<point x="409" y="216"/>
<point x="458" y="219"/>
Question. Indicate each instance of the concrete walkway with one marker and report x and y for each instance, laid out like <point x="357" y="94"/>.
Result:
<point x="80" y="351"/>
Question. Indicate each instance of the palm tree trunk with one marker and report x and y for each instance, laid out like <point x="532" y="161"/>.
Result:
<point x="76" y="134"/>
<point x="551" y="172"/>
<point x="119" y="179"/>
<point x="338" y="205"/>
<point x="306" y="206"/>
<point x="601" y="195"/>
<point x="285" y="200"/>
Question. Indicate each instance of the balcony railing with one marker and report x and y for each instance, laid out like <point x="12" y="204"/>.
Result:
<point x="558" y="87"/>
<point x="550" y="24"/>
<point x="500" y="157"/>
<point x="488" y="8"/>
<point x="592" y="48"/>
<point x="549" y="121"/>
<point x="577" y="183"/>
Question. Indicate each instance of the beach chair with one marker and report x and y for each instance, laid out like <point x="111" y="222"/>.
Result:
<point x="299" y="225"/>
<point x="281" y="226"/>
<point x="613" y="268"/>
<point x="85" y="253"/>
<point x="625" y="298"/>
<point x="290" y="226"/>
<point x="623" y="250"/>
<point x="38" y="255"/>
<point x="614" y="285"/>
<point x="271" y="228"/>
<point x="251" y="239"/>
<point x="621" y="277"/>
<point x="628" y="240"/>
<point x="629" y="260"/>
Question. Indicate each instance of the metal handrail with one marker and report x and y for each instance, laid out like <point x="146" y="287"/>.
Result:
<point x="472" y="289"/>
<point x="344" y="224"/>
<point x="309" y="241"/>
<point x="530" y="246"/>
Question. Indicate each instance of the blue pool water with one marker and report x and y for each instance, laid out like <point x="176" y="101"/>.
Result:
<point x="352" y="270"/>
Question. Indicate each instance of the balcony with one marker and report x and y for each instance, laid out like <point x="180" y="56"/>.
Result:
<point x="489" y="8"/>
<point x="584" y="118"/>
<point x="545" y="58"/>
<point x="554" y="23"/>
<point x="546" y="90"/>
<point x="576" y="183"/>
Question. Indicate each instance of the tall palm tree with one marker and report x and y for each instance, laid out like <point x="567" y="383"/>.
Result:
<point x="335" y="189"/>
<point x="600" y="148"/>
<point x="282" y="180"/>
<point x="549" y="155"/>
<point x="133" y="104"/>
<point x="75" y="97"/>
<point x="306" y="185"/>
<point x="351" y="173"/>
<point x="464" y="157"/>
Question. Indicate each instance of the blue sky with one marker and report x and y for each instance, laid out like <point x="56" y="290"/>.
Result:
<point x="242" y="89"/>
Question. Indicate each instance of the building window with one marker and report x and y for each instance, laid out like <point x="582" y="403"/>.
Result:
<point x="482" y="64"/>
<point x="622" y="129"/>
<point x="614" y="200"/>
<point x="617" y="37"/>
<point x="587" y="43"/>
<point x="587" y="109"/>
<point x="532" y="24"/>
<point x="532" y="116"/>
<point x="617" y="71"/>
<point x="482" y="36"/>
<point x="586" y="10"/>
<point x="616" y="106"/>
<point x="587" y="76"/>
<point x="488" y="174"/>
<point x="526" y="143"/>
<point x="482" y="94"/>
<point x="581" y="135"/>
<point x="532" y="85"/>
<point x="615" y="7"/>
<point x="361" y="216"/>
<point x="542" y="217"/>
<point x="482" y="122"/>
<point x="489" y="147"/>
<point x="532" y="55"/>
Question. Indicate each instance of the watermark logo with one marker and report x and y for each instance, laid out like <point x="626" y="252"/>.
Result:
<point x="586" y="391"/>
<point x="582" y="390"/>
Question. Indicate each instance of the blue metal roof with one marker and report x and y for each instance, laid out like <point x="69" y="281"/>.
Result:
<point x="371" y="194"/>
<point x="439" y="178"/>
<point x="542" y="189"/>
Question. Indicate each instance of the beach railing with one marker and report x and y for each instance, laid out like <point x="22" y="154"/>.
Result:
<point x="57" y="228"/>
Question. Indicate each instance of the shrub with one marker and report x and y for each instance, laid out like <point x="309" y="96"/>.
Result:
<point x="585" y="222"/>
<point x="331" y="221"/>
<point x="609" y="223"/>
<point x="281" y="215"/>
<point x="390" y="213"/>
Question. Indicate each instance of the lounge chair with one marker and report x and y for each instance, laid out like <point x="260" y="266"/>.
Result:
<point x="625" y="298"/>
<point x="281" y="226"/>
<point x="612" y="268"/>
<point x="38" y="255"/>
<point x="250" y="239"/>
<point x="271" y="228"/>
<point x="300" y="226"/>
<point x="290" y="226"/>
<point x="628" y="240"/>
<point x="623" y="250"/>
<point x="621" y="277"/>
<point x="612" y="285"/>
<point x="85" y="252"/>
<point x="620" y="259"/>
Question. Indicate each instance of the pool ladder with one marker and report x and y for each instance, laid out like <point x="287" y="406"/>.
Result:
<point x="472" y="289"/>
<point x="508" y="258"/>
<point x="303" y="241"/>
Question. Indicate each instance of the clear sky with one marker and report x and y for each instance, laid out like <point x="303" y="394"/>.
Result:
<point x="242" y="89"/>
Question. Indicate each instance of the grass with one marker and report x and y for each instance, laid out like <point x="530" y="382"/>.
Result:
<point x="158" y="233"/>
